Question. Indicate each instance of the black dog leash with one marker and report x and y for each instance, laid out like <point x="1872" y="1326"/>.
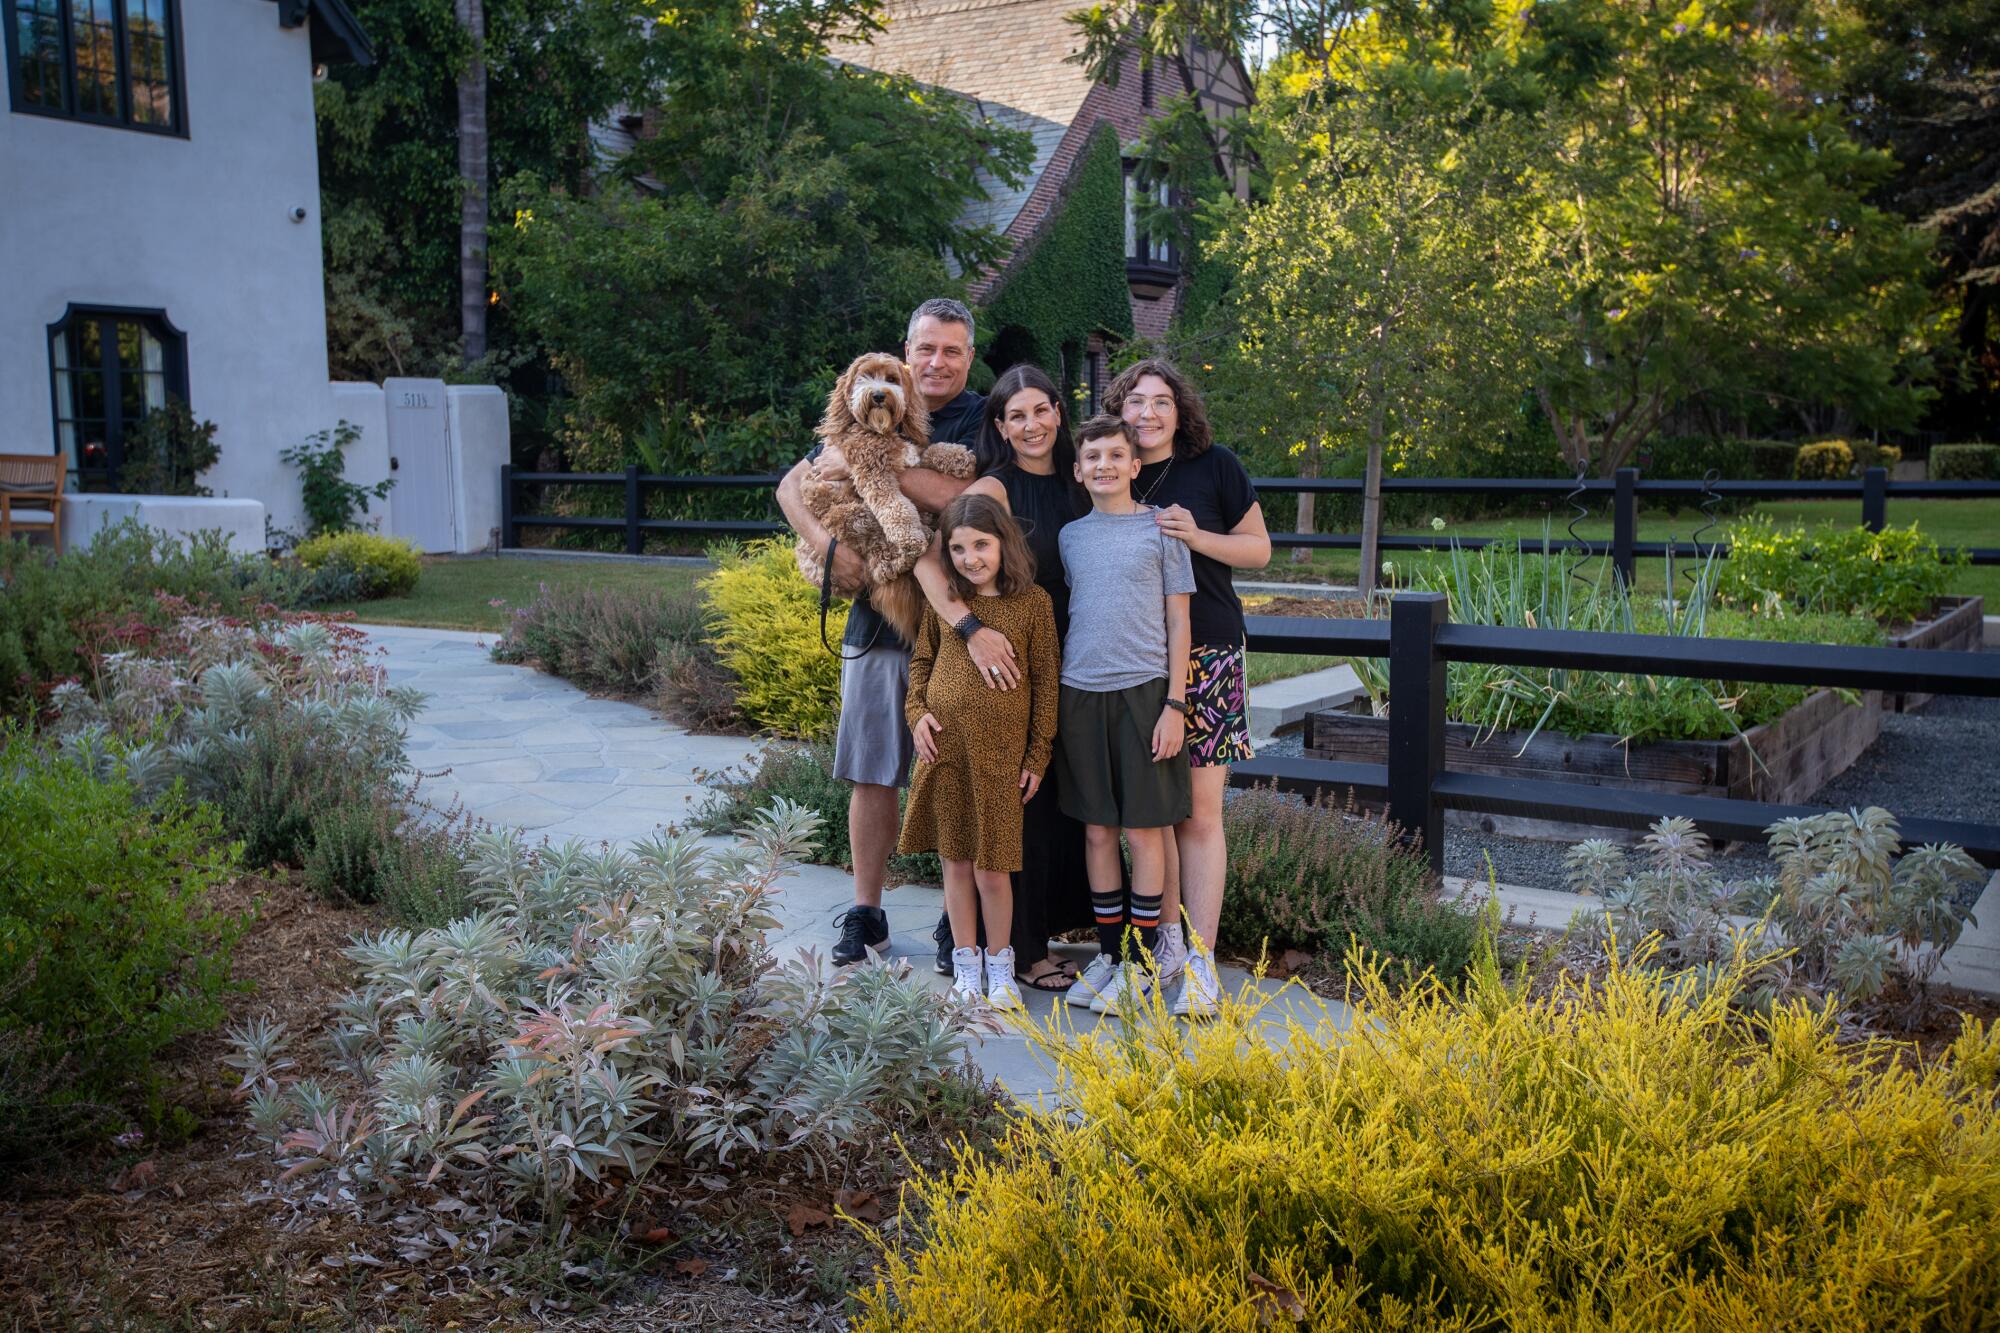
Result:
<point x="826" y="601"/>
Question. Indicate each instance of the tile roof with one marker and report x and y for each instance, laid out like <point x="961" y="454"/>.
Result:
<point x="1007" y="56"/>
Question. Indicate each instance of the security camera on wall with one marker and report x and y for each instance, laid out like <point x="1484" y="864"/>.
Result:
<point x="298" y="213"/>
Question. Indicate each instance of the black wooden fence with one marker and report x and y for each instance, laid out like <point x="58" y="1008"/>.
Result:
<point x="1413" y="781"/>
<point x="1874" y="490"/>
<point x="1417" y="788"/>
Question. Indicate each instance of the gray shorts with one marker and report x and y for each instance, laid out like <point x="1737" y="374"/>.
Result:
<point x="873" y="744"/>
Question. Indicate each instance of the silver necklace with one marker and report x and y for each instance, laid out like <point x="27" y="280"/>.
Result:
<point x="1147" y="498"/>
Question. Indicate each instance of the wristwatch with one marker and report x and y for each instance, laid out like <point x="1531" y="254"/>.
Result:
<point x="1179" y="706"/>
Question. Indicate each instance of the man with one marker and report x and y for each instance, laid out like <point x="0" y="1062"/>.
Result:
<point x="872" y="749"/>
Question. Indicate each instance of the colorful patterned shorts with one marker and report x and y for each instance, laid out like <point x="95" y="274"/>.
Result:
<point x="1218" y="692"/>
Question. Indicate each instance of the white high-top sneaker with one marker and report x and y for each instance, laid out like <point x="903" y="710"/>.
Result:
<point x="967" y="983"/>
<point x="1001" y="992"/>
<point x="1200" y="990"/>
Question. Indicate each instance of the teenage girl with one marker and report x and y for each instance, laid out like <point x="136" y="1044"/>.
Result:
<point x="981" y="752"/>
<point x="1201" y="495"/>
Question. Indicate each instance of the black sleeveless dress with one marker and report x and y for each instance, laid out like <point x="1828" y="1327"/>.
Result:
<point x="1052" y="887"/>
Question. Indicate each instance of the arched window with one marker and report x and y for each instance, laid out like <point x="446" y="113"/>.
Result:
<point x="117" y="62"/>
<point x="109" y="367"/>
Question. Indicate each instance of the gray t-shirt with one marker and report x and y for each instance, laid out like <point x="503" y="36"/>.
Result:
<point x="1121" y="570"/>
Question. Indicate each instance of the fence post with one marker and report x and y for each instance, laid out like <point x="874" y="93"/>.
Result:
<point x="1416" y="717"/>
<point x="633" y="545"/>
<point x="1875" y="499"/>
<point x="510" y="531"/>
<point x="1624" y="522"/>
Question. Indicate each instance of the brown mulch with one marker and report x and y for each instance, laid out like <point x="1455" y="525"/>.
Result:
<point x="1322" y="608"/>
<point x="187" y="1236"/>
<point x="116" y="1237"/>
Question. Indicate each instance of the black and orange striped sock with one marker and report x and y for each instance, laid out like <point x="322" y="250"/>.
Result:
<point x="1145" y="912"/>
<point x="1109" y="911"/>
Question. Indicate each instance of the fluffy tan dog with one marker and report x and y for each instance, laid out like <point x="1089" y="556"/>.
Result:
<point x="876" y="418"/>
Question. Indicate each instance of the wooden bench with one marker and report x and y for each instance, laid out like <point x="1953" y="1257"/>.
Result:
<point x="31" y="487"/>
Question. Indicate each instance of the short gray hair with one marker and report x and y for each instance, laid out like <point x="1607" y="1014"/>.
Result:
<point x="941" y="308"/>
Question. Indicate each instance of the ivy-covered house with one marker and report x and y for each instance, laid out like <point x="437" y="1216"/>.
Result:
<point x="1082" y="275"/>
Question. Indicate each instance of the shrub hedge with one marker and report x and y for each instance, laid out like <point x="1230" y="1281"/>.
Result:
<point x="1626" y="1154"/>
<point x="109" y="950"/>
<point x="1965" y="462"/>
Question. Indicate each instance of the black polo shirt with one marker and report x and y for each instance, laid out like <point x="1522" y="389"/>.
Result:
<point x="1215" y="487"/>
<point x="957" y="422"/>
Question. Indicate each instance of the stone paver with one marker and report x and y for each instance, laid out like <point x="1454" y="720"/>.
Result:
<point x="518" y="748"/>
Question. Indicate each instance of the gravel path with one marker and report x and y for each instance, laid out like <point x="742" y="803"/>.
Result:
<point x="1940" y="763"/>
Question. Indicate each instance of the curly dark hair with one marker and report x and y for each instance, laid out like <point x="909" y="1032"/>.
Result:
<point x="985" y="514"/>
<point x="1192" y="435"/>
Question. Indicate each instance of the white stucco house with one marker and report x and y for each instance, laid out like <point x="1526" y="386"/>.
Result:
<point x="160" y="234"/>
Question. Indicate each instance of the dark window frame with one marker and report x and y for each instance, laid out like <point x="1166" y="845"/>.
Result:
<point x="1135" y="239"/>
<point x="173" y="365"/>
<point x="176" y="71"/>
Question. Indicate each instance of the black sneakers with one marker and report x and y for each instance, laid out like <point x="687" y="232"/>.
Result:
<point x="943" y="937"/>
<point x="861" y="929"/>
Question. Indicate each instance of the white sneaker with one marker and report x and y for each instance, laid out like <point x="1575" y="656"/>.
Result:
<point x="1091" y="982"/>
<point x="1126" y="994"/>
<point x="1171" y="955"/>
<point x="1200" y="992"/>
<point x="1001" y="992"/>
<point x="966" y="981"/>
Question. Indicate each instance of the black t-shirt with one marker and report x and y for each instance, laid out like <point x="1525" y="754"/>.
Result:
<point x="957" y="422"/>
<point x="1215" y="488"/>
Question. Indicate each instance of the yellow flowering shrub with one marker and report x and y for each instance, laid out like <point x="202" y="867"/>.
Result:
<point x="1631" y="1153"/>
<point x="1829" y="460"/>
<point x="381" y="566"/>
<point x="767" y="634"/>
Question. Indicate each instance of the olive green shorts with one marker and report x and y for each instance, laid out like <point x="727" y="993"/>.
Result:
<point x="1104" y="760"/>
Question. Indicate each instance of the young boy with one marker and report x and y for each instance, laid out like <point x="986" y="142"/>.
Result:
<point x="1123" y="713"/>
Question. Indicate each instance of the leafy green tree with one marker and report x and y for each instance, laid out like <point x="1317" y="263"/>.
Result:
<point x="1701" y="234"/>
<point x="787" y="213"/>
<point x="1922" y="80"/>
<point x="1373" y="295"/>
<point x="391" y="188"/>
<point x="1712" y="235"/>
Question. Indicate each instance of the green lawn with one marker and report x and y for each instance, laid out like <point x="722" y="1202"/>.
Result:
<point x="460" y="592"/>
<point x="1951" y="522"/>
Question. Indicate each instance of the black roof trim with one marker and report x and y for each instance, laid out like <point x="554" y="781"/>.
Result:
<point x="337" y="35"/>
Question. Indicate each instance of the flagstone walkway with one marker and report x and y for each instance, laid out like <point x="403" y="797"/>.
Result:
<point x="521" y="749"/>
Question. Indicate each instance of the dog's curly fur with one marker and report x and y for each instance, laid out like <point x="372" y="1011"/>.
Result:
<point x="877" y="420"/>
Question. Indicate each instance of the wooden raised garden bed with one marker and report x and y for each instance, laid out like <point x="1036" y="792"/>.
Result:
<point x="1957" y="624"/>
<point x="1799" y="752"/>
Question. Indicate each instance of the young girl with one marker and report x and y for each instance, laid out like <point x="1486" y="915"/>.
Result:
<point x="981" y="752"/>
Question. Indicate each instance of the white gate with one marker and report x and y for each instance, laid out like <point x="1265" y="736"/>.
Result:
<point x="422" y="504"/>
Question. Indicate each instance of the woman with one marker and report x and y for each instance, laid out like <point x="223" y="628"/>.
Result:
<point x="1028" y="464"/>
<point x="1203" y="497"/>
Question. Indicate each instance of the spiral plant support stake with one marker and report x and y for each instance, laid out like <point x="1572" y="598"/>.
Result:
<point x="1581" y="551"/>
<point x="1710" y="498"/>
